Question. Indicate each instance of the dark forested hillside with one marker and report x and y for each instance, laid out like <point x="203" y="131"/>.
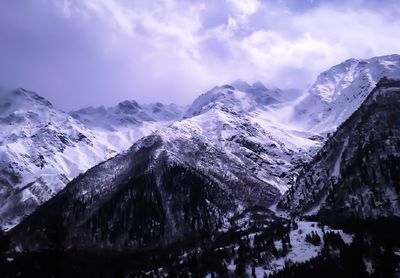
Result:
<point x="145" y="211"/>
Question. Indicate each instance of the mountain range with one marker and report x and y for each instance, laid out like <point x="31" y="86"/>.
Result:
<point x="240" y="160"/>
<point x="43" y="148"/>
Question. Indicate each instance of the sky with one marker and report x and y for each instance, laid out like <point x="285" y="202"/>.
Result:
<point x="80" y="53"/>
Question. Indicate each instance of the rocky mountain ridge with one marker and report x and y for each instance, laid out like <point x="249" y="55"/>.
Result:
<point x="356" y="173"/>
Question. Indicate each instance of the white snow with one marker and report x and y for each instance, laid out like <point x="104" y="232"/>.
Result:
<point x="266" y="133"/>
<point x="301" y="250"/>
<point x="339" y="91"/>
<point x="46" y="147"/>
<point x="224" y="115"/>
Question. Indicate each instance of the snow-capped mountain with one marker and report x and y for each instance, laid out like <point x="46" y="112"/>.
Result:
<point x="276" y="93"/>
<point x="256" y="128"/>
<point x="245" y="125"/>
<point x="241" y="97"/>
<point x="242" y="124"/>
<point x="43" y="148"/>
<point x="339" y="91"/>
<point x="125" y="123"/>
<point x="127" y="114"/>
<point x="199" y="193"/>
<point x="357" y="172"/>
<point x="228" y="153"/>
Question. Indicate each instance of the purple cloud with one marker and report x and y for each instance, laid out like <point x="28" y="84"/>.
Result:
<point x="79" y="53"/>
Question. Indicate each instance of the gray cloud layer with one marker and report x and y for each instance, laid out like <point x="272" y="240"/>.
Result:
<point x="82" y="52"/>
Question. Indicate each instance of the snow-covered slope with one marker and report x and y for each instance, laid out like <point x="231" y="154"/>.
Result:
<point x="249" y="127"/>
<point x="43" y="148"/>
<point x="127" y="114"/>
<point x="339" y="91"/>
<point x="356" y="173"/>
<point x="125" y="123"/>
<point x="240" y="97"/>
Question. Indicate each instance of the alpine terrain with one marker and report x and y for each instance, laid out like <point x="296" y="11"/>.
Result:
<point x="43" y="148"/>
<point x="247" y="181"/>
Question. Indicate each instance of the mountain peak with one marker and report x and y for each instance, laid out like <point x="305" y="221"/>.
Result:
<point x="128" y="107"/>
<point x="13" y="100"/>
<point x="239" y="97"/>
<point x="241" y="85"/>
<point x="32" y="96"/>
<point x="244" y="86"/>
<point x="259" y="85"/>
<point x="340" y="90"/>
<point x="330" y="83"/>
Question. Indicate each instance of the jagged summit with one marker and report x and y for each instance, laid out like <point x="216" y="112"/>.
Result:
<point x="229" y="98"/>
<point x="127" y="114"/>
<point x="13" y="100"/>
<point x="240" y="85"/>
<point x="41" y="149"/>
<point x="339" y="91"/>
<point x="127" y="107"/>
<point x="331" y="83"/>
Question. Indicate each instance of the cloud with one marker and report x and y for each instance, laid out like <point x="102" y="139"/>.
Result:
<point x="104" y="51"/>
<point x="67" y="8"/>
<point x="275" y="55"/>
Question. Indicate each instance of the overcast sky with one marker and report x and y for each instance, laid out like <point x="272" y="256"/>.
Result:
<point x="91" y="52"/>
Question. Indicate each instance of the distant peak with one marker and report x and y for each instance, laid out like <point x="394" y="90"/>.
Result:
<point x="129" y="103"/>
<point x="258" y="85"/>
<point x="128" y="107"/>
<point x="227" y="86"/>
<point x="159" y="104"/>
<point x="22" y="96"/>
<point x="240" y="85"/>
<point x="245" y="87"/>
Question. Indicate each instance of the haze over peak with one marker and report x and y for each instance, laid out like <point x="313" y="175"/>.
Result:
<point x="101" y="52"/>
